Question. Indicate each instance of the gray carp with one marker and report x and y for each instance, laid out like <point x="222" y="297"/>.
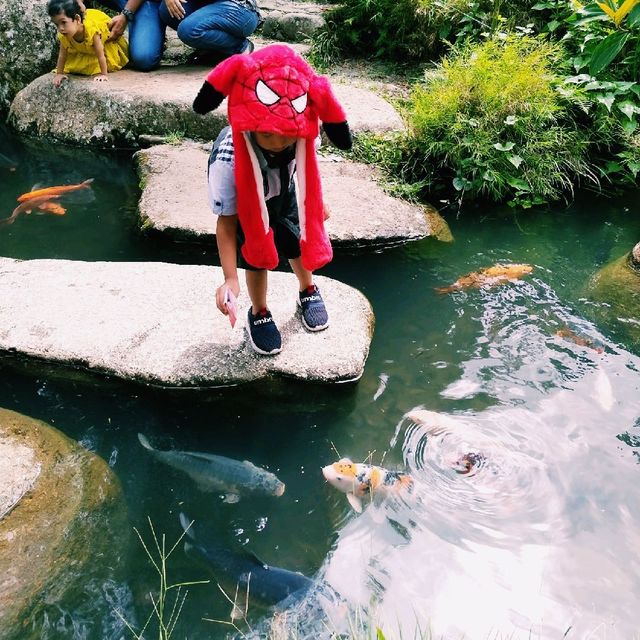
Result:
<point x="218" y="473"/>
<point x="265" y="585"/>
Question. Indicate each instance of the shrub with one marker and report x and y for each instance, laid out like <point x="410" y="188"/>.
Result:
<point x="492" y="122"/>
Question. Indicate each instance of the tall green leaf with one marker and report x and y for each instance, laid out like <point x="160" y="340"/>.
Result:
<point x="606" y="52"/>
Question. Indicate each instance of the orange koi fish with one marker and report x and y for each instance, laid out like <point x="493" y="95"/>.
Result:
<point x="54" y="191"/>
<point x="358" y="480"/>
<point x="52" y="207"/>
<point x="489" y="277"/>
<point x="581" y="341"/>
<point x="29" y="205"/>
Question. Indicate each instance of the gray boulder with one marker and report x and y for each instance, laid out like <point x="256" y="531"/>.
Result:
<point x="27" y="46"/>
<point x="61" y="510"/>
<point x="174" y="200"/>
<point x="157" y="324"/>
<point x="132" y="103"/>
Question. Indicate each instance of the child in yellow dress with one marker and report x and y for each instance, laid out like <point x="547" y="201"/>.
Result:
<point x="83" y="47"/>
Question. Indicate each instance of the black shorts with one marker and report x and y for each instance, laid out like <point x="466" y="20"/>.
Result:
<point x="283" y="219"/>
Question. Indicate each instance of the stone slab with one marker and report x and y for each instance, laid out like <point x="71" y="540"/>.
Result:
<point x="132" y="103"/>
<point x="157" y="324"/>
<point x="174" y="200"/>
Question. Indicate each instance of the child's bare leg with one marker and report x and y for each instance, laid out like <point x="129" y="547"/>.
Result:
<point x="305" y="278"/>
<point x="257" y="289"/>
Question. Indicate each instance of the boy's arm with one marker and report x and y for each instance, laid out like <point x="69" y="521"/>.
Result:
<point x="226" y="229"/>
<point x="98" y="47"/>
<point x="60" y="74"/>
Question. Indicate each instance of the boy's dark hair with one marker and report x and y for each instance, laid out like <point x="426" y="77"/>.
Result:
<point x="70" y="8"/>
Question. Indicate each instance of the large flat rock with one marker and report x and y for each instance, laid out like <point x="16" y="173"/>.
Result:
<point x="157" y="324"/>
<point x="174" y="200"/>
<point x="132" y="103"/>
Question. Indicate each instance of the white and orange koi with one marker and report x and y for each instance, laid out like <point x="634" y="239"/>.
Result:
<point x="54" y="191"/>
<point x="359" y="480"/>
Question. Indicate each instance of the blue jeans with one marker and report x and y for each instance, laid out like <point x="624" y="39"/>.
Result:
<point x="222" y="25"/>
<point x="146" y="34"/>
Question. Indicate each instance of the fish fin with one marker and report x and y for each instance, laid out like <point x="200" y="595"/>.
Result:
<point x="249" y="555"/>
<point x="87" y="182"/>
<point x="145" y="442"/>
<point x="355" y="502"/>
<point x="231" y="498"/>
<point x="187" y="525"/>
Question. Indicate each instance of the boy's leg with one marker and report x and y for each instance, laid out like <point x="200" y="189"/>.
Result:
<point x="257" y="289"/>
<point x="314" y="312"/>
<point x="222" y="26"/>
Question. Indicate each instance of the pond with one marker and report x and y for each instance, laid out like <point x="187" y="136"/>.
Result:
<point x="540" y="540"/>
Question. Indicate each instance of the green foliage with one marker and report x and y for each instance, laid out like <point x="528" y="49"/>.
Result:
<point x="491" y="123"/>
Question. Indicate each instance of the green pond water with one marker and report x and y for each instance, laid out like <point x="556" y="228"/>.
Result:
<point x="541" y="540"/>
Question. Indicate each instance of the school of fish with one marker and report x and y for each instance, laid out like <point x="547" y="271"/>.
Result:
<point x="489" y="277"/>
<point x="41" y="200"/>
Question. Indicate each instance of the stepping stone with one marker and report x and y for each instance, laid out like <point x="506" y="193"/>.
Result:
<point x="157" y="324"/>
<point x="291" y="21"/>
<point x="174" y="200"/>
<point x="132" y="103"/>
<point x="61" y="507"/>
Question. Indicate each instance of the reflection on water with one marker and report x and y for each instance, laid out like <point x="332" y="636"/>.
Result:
<point x="528" y="380"/>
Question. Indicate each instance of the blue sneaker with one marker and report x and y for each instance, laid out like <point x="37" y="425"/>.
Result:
<point x="263" y="333"/>
<point x="314" y="313"/>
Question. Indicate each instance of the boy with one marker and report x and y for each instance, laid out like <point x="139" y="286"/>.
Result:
<point x="275" y="103"/>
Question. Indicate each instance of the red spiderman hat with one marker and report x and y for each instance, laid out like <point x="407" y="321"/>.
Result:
<point x="274" y="90"/>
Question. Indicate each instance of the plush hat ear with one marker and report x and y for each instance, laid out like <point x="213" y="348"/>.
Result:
<point x="218" y="84"/>
<point x="330" y="112"/>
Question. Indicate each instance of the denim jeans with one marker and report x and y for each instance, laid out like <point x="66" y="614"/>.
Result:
<point x="146" y="34"/>
<point x="221" y="25"/>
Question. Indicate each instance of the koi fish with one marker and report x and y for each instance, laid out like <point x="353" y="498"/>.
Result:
<point x="264" y="584"/>
<point x="52" y="207"/>
<point x="497" y="274"/>
<point x="54" y="191"/>
<point x="358" y="480"/>
<point x="218" y="473"/>
<point x="29" y="206"/>
<point x="568" y="334"/>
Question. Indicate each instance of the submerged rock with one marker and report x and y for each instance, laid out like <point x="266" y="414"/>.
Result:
<point x="174" y="200"/>
<point x="157" y="324"/>
<point x="61" y="523"/>
<point x="27" y="45"/>
<point x="617" y="287"/>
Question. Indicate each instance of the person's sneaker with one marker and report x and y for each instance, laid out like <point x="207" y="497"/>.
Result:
<point x="204" y="58"/>
<point x="314" y="313"/>
<point x="263" y="333"/>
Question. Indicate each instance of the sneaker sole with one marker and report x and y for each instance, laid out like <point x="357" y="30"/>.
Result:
<point x="320" y="327"/>
<point x="255" y="347"/>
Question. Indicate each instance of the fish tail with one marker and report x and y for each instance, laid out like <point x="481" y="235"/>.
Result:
<point x="145" y="442"/>
<point x="87" y="182"/>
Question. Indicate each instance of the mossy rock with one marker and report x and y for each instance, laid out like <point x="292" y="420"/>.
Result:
<point x="617" y="285"/>
<point x="59" y="531"/>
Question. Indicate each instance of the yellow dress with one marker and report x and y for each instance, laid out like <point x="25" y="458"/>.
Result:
<point x="81" y="56"/>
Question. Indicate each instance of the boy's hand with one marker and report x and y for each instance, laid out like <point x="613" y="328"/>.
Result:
<point x="221" y="298"/>
<point x="100" y="78"/>
<point x="58" y="78"/>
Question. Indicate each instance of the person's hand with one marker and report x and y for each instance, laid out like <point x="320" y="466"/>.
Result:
<point x="100" y="78"/>
<point x="58" y="78"/>
<point x="175" y="8"/>
<point x="116" y="27"/>
<point x="232" y="284"/>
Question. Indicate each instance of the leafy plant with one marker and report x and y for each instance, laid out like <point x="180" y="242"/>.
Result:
<point x="493" y="123"/>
